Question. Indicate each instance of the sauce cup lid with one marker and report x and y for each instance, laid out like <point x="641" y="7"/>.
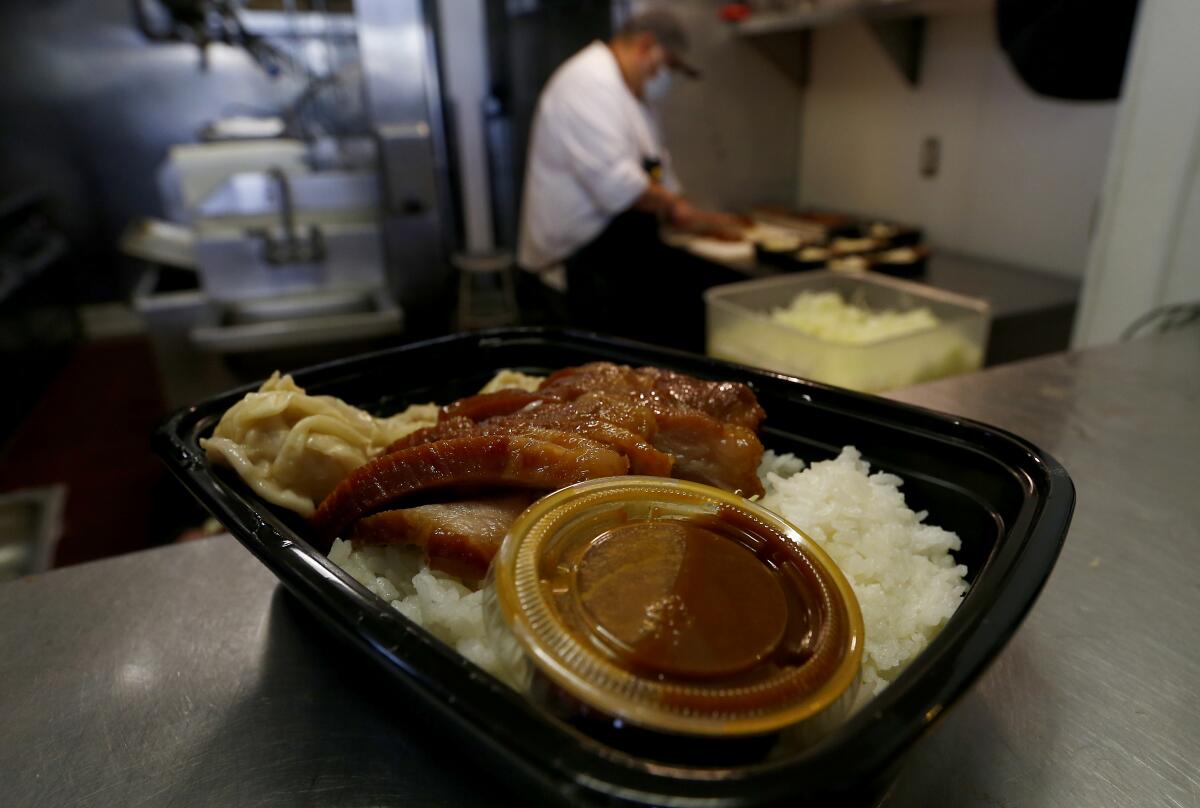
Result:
<point x="680" y="608"/>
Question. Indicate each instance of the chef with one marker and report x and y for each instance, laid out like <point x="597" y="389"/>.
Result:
<point x="599" y="182"/>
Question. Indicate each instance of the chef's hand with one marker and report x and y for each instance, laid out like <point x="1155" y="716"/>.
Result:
<point x="723" y="226"/>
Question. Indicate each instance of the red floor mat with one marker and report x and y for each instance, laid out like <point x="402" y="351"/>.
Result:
<point x="91" y="431"/>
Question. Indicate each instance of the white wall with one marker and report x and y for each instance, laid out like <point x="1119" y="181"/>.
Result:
<point x="1147" y="248"/>
<point x="732" y="135"/>
<point x="1020" y="175"/>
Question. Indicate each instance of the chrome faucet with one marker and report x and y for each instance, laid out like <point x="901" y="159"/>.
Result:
<point x="292" y="249"/>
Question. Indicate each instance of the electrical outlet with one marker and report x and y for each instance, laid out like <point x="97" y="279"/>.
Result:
<point x="929" y="159"/>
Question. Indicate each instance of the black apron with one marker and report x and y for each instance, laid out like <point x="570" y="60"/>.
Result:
<point x="627" y="282"/>
<point x="610" y="278"/>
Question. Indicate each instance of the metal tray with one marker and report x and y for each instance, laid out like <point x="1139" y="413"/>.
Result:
<point x="1010" y="502"/>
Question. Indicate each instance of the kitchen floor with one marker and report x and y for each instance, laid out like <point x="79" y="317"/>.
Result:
<point x="90" y="432"/>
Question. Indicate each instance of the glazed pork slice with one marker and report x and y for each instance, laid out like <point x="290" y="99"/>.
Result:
<point x="542" y="459"/>
<point x="659" y="389"/>
<point x="644" y="458"/>
<point x="622" y="411"/>
<point x="540" y="410"/>
<point x="618" y="424"/>
<point x="707" y="427"/>
<point x="708" y="451"/>
<point x="489" y="405"/>
<point x="460" y="538"/>
<point x="453" y="427"/>
<point x="619" y="407"/>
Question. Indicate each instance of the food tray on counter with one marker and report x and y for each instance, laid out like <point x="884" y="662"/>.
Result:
<point x="1010" y="502"/>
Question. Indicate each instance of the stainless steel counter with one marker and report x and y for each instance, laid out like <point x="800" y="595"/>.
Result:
<point x="183" y="676"/>
<point x="1096" y="701"/>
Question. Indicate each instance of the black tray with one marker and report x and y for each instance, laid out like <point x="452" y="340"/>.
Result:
<point x="1010" y="502"/>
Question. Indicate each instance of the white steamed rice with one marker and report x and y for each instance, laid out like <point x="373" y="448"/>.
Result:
<point x="829" y="316"/>
<point x="901" y="570"/>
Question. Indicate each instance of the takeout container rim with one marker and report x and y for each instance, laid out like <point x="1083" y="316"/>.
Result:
<point x="570" y="766"/>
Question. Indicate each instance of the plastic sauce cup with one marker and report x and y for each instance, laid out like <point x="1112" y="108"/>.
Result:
<point x="679" y="608"/>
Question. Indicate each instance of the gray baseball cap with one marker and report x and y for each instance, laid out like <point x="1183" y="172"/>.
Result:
<point x="669" y="31"/>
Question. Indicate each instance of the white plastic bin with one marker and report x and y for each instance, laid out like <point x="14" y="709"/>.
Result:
<point x="741" y="329"/>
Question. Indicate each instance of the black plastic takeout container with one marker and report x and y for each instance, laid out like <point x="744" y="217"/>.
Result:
<point x="1009" y="501"/>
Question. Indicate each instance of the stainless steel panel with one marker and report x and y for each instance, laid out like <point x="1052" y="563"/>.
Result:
<point x="405" y="152"/>
<point x="400" y="72"/>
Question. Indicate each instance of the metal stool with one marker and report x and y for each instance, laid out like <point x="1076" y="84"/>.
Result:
<point x="486" y="297"/>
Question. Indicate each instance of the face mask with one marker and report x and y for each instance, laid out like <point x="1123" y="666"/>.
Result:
<point x="655" y="88"/>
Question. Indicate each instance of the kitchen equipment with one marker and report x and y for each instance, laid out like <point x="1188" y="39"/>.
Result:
<point x="487" y="296"/>
<point x="741" y="329"/>
<point x="303" y="249"/>
<point x="193" y="171"/>
<point x="31" y="522"/>
<point x="1009" y="500"/>
<point x="261" y="234"/>
<point x="300" y="320"/>
<point x="402" y="81"/>
<point x="351" y="195"/>
<point x="202" y="345"/>
<point x="287" y="262"/>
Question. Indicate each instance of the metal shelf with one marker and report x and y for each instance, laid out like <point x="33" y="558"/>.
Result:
<point x="820" y="13"/>
<point x="898" y="25"/>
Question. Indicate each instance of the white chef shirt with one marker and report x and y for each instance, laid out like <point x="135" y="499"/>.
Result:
<point x="590" y="137"/>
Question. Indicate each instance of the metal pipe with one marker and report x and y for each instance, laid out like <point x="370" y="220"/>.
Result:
<point x="287" y="211"/>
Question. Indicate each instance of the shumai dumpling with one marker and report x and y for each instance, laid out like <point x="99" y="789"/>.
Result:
<point x="293" y="448"/>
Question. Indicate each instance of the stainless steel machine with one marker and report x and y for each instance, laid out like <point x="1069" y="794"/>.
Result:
<point x="322" y="240"/>
<point x="397" y="41"/>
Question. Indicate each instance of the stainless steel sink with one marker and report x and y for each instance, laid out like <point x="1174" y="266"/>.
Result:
<point x="196" y="338"/>
<point x="234" y="264"/>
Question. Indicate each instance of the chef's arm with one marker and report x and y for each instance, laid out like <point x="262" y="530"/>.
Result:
<point x="659" y="201"/>
<point x="679" y="212"/>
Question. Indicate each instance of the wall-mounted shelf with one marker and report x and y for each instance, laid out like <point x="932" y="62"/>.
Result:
<point x="820" y="13"/>
<point x="898" y="25"/>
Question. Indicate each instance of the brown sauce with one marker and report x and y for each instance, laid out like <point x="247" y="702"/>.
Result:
<point x="723" y="601"/>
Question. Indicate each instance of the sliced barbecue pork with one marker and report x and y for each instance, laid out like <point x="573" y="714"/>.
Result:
<point x="460" y="538"/>
<point x="660" y="390"/>
<point x="621" y="425"/>
<point x="541" y="459"/>
<point x="490" y="455"/>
